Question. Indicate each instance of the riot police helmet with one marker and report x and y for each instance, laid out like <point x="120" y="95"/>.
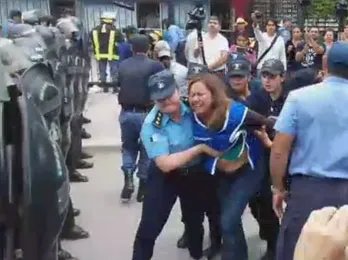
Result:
<point x="32" y="17"/>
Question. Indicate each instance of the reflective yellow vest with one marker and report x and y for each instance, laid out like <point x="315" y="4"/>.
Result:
<point x="105" y="50"/>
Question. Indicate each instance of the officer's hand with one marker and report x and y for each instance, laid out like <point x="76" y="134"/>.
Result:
<point x="324" y="236"/>
<point x="210" y="151"/>
<point x="278" y="202"/>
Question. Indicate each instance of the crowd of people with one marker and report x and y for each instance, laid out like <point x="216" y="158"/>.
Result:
<point x="255" y="122"/>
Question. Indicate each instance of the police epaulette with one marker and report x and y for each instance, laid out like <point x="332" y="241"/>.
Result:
<point x="158" y="119"/>
<point x="185" y="100"/>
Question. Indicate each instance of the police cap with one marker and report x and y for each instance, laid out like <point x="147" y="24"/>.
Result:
<point x="161" y="85"/>
<point x="337" y="56"/>
<point x="239" y="68"/>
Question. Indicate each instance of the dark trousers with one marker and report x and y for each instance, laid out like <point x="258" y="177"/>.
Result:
<point x="262" y="210"/>
<point x="211" y="208"/>
<point x="162" y="192"/>
<point x="74" y="153"/>
<point x="307" y="194"/>
<point x="70" y="219"/>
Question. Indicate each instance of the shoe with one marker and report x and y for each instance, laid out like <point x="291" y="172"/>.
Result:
<point x="86" y="120"/>
<point x="106" y="88"/>
<point x="85" y="135"/>
<point x="269" y="255"/>
<point x="212" y="251"/>
<point x="82" y="164"/>
<point x="75" y="233"/>
<point x="65" y="255"/>
<point x="77" y="212"/>
<point x="141" y="191"/>
<point x="78" y="177"/>
<point x="182" y="242"/>
<point x="85" y="155"/>
<point x="128" y="187"/>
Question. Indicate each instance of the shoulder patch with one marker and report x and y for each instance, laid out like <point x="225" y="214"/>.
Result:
<point x="157" y="122"/>
<point x="185" y="100"/>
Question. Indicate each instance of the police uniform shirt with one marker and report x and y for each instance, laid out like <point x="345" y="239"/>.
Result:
<point x="162" y="136"/>
<point x="317" y="117"/>
<point x="227" y="136"/>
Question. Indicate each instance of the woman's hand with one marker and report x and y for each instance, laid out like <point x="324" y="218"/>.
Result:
<point x="232" y="166"/>
<point x="209" y="151"/>
<point x="263" y="136"/>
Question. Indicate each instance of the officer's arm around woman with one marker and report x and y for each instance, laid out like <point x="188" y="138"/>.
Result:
<point x="228" y="126"/>
<point x="175" y="169"/>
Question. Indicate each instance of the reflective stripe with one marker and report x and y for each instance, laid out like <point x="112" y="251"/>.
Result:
<point x="111" y="47"/>
<point x="96" y="45"/>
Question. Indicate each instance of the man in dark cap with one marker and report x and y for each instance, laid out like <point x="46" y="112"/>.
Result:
<point x="312" y="134"/>
<point x="134" y="99"/>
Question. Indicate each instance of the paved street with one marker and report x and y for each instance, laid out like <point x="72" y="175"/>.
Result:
<point x="112" y="225"/>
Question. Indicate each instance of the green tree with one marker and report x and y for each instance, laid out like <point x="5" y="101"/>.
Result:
<point x="322" y="8"/>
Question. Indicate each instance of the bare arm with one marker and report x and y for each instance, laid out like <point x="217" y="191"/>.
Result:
<point x="280" y="152"/>
<point x="222" y="60"/>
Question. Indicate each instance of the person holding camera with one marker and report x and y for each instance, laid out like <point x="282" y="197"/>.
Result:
<point x="214" y="46"/>
<point x="271" y="45"/>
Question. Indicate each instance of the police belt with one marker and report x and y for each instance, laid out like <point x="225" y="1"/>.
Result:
<point x="137" y="108"/>
<point x="190" y="170"/>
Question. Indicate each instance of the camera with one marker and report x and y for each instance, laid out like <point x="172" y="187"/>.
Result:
<point x="196" y="17"/>
<point x="258" y="15"/>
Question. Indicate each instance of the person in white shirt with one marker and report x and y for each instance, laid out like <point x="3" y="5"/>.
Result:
<point x="265" y="39"/>
<point x="164" y="55"/>
<point x="215" y="47"/>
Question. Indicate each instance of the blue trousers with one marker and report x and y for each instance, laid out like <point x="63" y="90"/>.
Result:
<point x="131" y="123"/>
<point x="162" y="192"/>
<point x="307" y="194"/>
<point x="235" y="191"/>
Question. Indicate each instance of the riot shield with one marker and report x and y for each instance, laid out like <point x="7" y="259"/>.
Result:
<point x="45" y="178"/>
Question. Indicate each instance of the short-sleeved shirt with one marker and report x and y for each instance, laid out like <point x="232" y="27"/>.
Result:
<point x="317" y="117"/>
<point x="171" y="137"/>
<point x="311" y="59"/>
<point x="222" y="140"/>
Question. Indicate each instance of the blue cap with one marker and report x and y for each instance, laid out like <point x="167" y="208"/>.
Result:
<point x="337" y="56"/>
<point x="161" y="85"/>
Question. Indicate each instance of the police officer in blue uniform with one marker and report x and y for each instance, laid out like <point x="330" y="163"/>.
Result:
<point x="175" y="169"/>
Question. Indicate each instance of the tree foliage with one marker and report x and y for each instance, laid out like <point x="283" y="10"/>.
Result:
<point x="322" y="8"/>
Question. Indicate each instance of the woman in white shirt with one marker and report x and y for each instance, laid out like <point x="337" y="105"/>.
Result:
<point x="265" y="40"/>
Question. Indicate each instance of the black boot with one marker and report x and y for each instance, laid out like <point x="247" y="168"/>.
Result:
<point x="141" y="190"/>
<point x="128" y="187"/>
<point x="65" y="255"/>
<point x="85" y="135"/>
<point x="182" y="242"/>
<point x="215" y="241"/>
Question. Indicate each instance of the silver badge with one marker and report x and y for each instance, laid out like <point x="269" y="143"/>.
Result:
<point x="160" y="85"/>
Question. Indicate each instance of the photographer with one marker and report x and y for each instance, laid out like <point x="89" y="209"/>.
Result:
<point x="215" y="47"/>
<point x="271" y="45"/>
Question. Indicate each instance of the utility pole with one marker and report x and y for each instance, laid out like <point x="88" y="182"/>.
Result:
<point x="302" y="8"/>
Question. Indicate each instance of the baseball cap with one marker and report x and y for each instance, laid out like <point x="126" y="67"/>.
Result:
<point x="239" y="68"/>
<point x="162" y="49"/>
<point x="195" y="69"/>
<point x="273" y="66"/>
<point x="161" y="85"/>
<point x="337" y="56"/>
